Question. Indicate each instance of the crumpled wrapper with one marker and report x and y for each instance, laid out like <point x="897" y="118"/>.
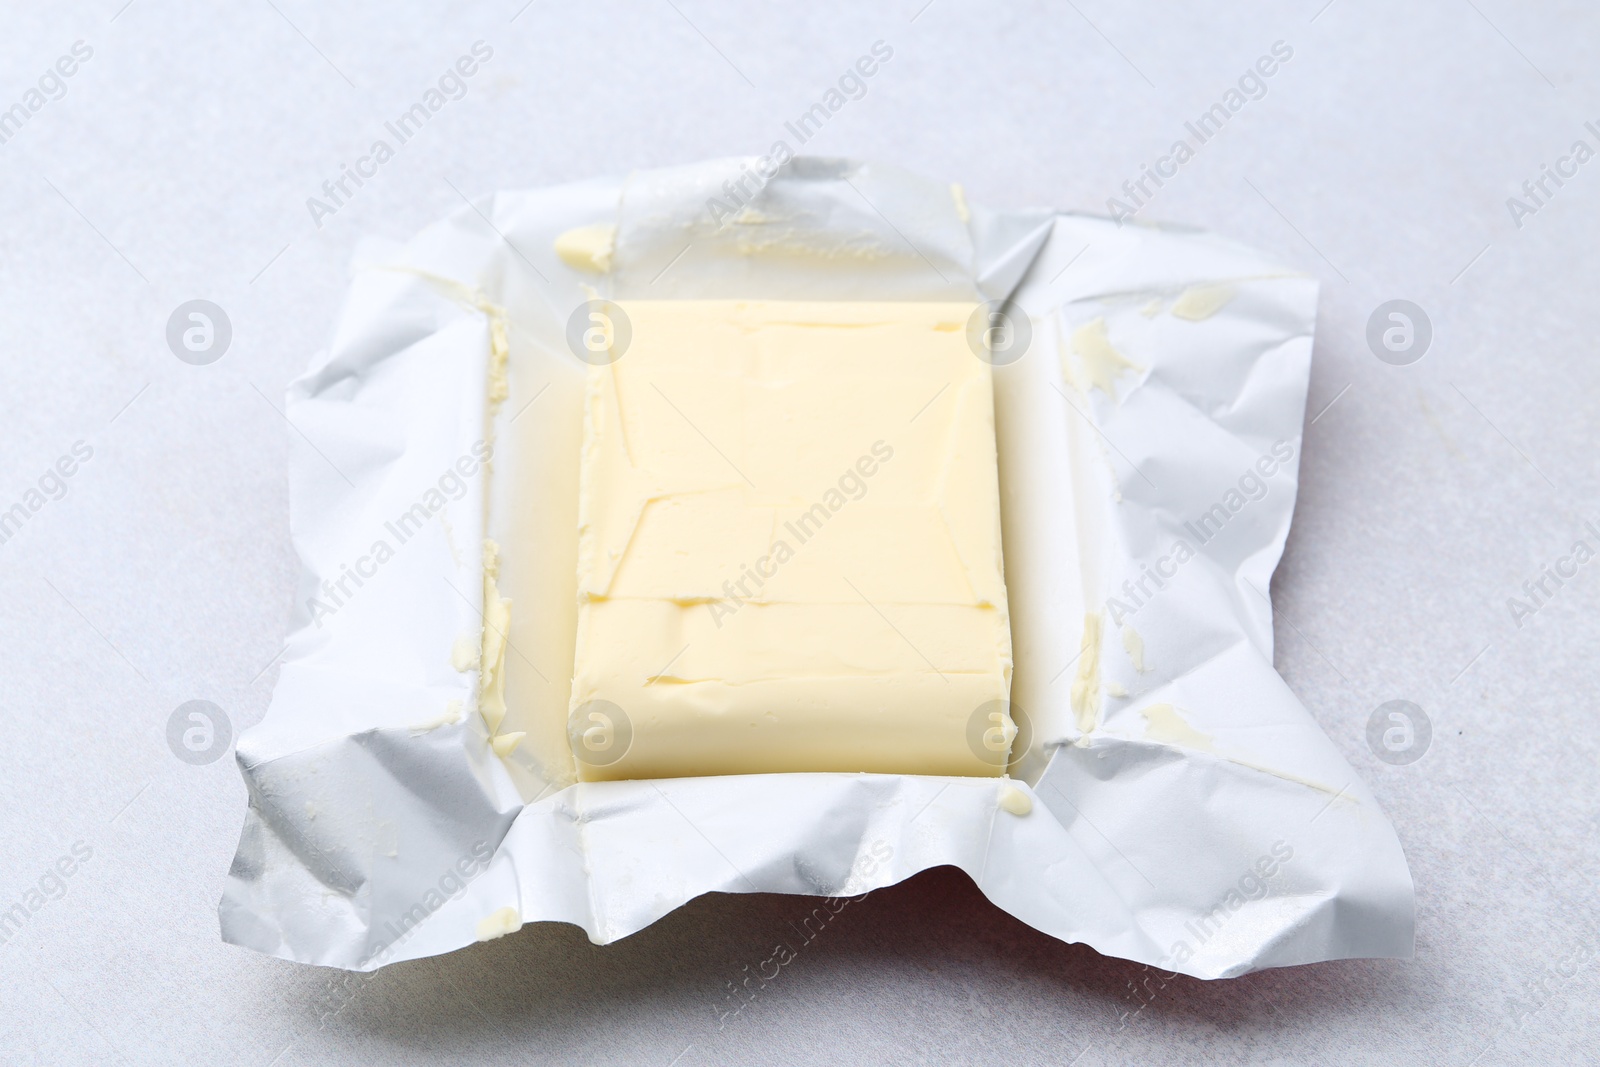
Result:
<point x="1172" y="803"/>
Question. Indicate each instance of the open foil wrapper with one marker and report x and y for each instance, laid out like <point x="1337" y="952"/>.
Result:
<point x="1171" y="802"/>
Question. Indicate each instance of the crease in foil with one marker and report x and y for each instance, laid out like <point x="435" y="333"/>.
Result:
<point x="1182" y="809"/>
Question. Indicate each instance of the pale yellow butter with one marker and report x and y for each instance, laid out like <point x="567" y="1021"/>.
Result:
<point x="789" y="544"/>
<point x="1015" y="801"/>
<point x="499" y="923"/>
<point x="588" y="248"/>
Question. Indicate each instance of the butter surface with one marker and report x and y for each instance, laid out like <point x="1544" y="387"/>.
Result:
<point x="789" y="544"/>
<point x="588" y="248"/>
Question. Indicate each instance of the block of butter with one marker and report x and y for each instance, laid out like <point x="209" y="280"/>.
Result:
<point x="789" y="544"/>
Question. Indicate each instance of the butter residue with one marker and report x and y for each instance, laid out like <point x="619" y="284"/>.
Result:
<point x="499" y="339"/>
<point x="1015" y="800"/>
<point x="452" y="715"/>
<point x="450" y="538"/>
<point x="1134" y="644"/>
<point x="1086" y="685"/>
<point x="588" y="248"/>
<point x="496" y="622"/>
<point x="959" y="195"/>
<point x="499" y="354"/>
<point x="796" y="244"/>
<point x="1101" y="362"/>
<point x="1164" y="724"/>
<point x="1152" y="308"/>
<point x="499" y="923"/>
<point x="465" y="652"/>
<point x="1200" y="302"/>
<point x="483" y="651"/>
<point x="1115" y="689"/>
<point x="496" y="609"/>
<point x="505" y="744"/>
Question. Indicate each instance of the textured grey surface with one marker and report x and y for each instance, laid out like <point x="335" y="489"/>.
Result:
<point x="176" y="165"/>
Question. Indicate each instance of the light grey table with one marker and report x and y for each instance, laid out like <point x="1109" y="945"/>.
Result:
<point x="175" y="163"/>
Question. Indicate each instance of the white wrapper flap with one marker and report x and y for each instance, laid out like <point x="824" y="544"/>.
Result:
<point x="1173" y="803"/>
